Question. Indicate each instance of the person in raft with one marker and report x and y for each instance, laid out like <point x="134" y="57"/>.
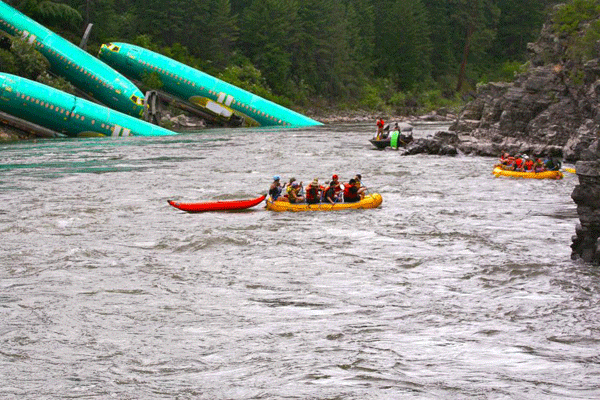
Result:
<point x="294" y="195"/>
<point x="313" y="192"/>
<point x="275" y="189"/>
<point x="337" y="186"/>
<point x="352" y="192"/>
<point x="330" y="196"/>
<point x="288" y="186"/>
<point x="358" y="179"/>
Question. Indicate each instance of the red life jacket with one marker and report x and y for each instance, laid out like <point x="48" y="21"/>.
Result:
<point x="312" y="192"/>
<point x="351" y="193"/>
<point x="529" y="164"/>
<point x="337" y="188"/>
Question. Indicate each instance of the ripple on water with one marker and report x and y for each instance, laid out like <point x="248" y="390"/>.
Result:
<point x="459" y="286"/>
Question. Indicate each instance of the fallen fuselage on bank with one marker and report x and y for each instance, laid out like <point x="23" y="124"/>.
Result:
<point x="64" y="113"/>
<point x="222" y="99"/>
<point x="83" y="70"/>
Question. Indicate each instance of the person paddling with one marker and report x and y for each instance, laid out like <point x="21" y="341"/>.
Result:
<point x="353" y="192"/>
<point x="330" y="195"/>
<point x="313" y="192"/>
<point x="275" y="189"/>
<point x="294" y="194"/>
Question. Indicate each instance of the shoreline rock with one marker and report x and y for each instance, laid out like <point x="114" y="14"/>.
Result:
<point x="586" y="241"/>
<point x="552" y="109"/>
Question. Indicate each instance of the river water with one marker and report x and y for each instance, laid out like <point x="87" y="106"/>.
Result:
<point x="460" y="286"/>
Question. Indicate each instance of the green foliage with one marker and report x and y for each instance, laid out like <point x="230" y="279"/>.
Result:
<point x="24" y="60"/>
<point x="519" y="24"/>
<point x="371" y="98"/>
<point x="507" y="72"/>
<point x="376" y="95"/>
<point x="406" y="45"/>
<point x="385" y="55"/>
<point x="8" y="62"/>
<point x="585" y="47"/>
<point x="52" y="13"/>
<point x="152" y="81"/>
<point x="269" y="32"/>
<point x="223" y="27"/>
<point x="569" y="17"/>
<point x="146" y="42"/>
<point x="433" y="100"/>
<point x="247" y="77"/>
<point x="578" y="22"/>
<point x="576" y="76"/>
<point x="56" y="82"/>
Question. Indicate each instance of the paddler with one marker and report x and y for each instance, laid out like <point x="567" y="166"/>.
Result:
<point x="313" y="192"/>
<point x="294" y="193"/>
<point x="330" y="196"/>
<point x="275" y="189"/>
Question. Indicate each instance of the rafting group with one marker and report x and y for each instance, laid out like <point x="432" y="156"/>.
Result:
<point x="523" y="166"/>
<point x="524" y="163"/>
<point x="332" y="192"/>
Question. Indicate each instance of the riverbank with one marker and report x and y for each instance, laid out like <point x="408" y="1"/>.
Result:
<point x="182" y="122"/>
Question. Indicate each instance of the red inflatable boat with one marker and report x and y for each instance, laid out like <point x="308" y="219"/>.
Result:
<point x="224" y="205"/>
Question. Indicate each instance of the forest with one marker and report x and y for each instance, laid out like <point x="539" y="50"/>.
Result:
<point x="397" y="56"/>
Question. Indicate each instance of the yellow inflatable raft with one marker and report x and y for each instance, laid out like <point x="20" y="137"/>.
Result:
<point x="528" y="175"/>
<point x="373" y="200"/>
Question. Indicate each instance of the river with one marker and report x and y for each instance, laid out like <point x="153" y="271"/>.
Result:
<point x="460" y="286"/>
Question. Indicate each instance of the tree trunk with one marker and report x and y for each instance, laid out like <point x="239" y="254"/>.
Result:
<point x="463" y="64"/>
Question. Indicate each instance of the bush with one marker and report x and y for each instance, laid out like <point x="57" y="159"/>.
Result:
<point x="569" y="17"/>
<point x="584" y="49"/>
<point x="57" y="82"/>
<point x="22" y="59"/>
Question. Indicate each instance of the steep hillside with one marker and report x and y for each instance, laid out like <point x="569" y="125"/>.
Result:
<point x="551" y="108"/>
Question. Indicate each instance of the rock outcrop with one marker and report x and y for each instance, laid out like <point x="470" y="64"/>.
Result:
<point x="442" y="143"/>
<point x="586" y="242"/>
<point x="552" y="109"/>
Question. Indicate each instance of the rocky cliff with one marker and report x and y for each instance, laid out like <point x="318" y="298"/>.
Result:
<point x="552" y="108"/>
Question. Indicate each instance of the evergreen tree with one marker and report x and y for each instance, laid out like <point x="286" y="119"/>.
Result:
<point x="56" y="16"/>
<point x="477" y="18"/>
<point x="361" y="41"/>
<point x="519" y="24"/>
<point x="221" y="33"/>
<point x="323" y="54"/>
<point x="269" y="31"/>
<point x="404" y="43"/>
<point x="444" y="37"/>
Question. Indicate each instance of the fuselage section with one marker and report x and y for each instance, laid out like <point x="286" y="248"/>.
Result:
<point x="83" y="70"/>
<point x="199" y="88"/>
<point x="68" y="114"/>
